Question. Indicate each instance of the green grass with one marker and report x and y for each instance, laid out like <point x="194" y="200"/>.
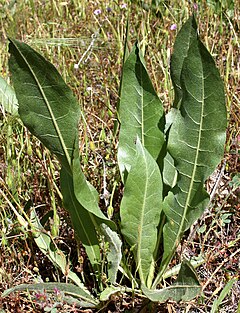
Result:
<point x="62" y="31"/>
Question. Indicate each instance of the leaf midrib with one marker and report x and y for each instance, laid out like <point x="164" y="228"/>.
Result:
<point x="48" y="106"/>
<point x="141" y="225"/>
<point x="194" y="167"/>
<point x="189" y="193"/>
<point x="139" y="265"/>
<point x="142" y="108"/>
<point x="195" y="161"/>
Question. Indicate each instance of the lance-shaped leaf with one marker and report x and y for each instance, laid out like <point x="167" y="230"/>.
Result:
<point x="186" y="35"/>
<point x="140" y="111"/>
<point x="71" y="294"/>
<point x="196" y="143"/>
<point x="46" y="104"/>
<point x="8" y="97"/>
<point x="185" y="288"/>
<point x="84" y="223"/>
<point x="140" y="210"/>
<point x="47" y="246"/>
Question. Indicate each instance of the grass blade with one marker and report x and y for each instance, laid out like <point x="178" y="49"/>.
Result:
<point x="217" y="302"/>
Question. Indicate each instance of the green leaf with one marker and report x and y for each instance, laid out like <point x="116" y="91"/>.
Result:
<point x="196" y="143"/>
<point x="84" y="223"/>
<point x="185" y="37"/>
<point x="87" y="197"/>
<point x="195" y="262"/>
<point x="217" y="302"/>
<point x="114" y="254"/>
<point x="140" y="111"/>
<point x="169" y="170"/>
<point x="185" y="288"/>
<point x="72" y="293"/>
<point x="46" y="104"/>
<point x="108" y="292"/>
<point x="48" y="247"/>
<point x="140" y="210"/>
<point x="8" y="97"/>
<point x="86" y="194"/>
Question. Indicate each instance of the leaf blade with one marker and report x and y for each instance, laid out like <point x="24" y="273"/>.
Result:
<point x="114" y="253"/>
<point x="86" y="194"/>
<point x="8" y="97"/>
<point x="46" y="104"/>
<point x="196" y="143"/>
<point x="84" y="224"/>
<point x="186" y="35"/>
<point x="140" y="111"/>
<point x="71" y="292"/>
<point x="185" y="288"/>
<point x="55" y="255"/>
<point x="217" y="302"/>
<point x="140" y="210"/>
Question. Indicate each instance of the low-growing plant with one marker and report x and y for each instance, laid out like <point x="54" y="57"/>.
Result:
<point x="164" y="161"/>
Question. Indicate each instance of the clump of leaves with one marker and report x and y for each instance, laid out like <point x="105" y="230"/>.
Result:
<point x="164" y="161"/>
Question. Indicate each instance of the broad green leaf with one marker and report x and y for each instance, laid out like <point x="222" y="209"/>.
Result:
<point x="196" y="143"/>
<point x="8" y="97"/>
<point x="185" y="37"/>
<point x="86" y="194"/>
<point x="71" y="293"/>
<point x="140" y="112"/>
<point x="140" y="210"/>
<point x="46" y="104"/>
<point x="114" y="254"/>
<point x="84" y="223"/>
<point x="54" y="254"/>
<point x="185" y="288"/>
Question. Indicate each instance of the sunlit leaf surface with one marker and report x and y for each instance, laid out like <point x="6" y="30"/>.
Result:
<point x="46" y="104"/>
<point x="196" y="140"/>
<point x="140" y="112"/>
<point x="140" y="209"/>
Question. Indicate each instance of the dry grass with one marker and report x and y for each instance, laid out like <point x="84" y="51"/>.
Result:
<point x="63" y="31"/>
